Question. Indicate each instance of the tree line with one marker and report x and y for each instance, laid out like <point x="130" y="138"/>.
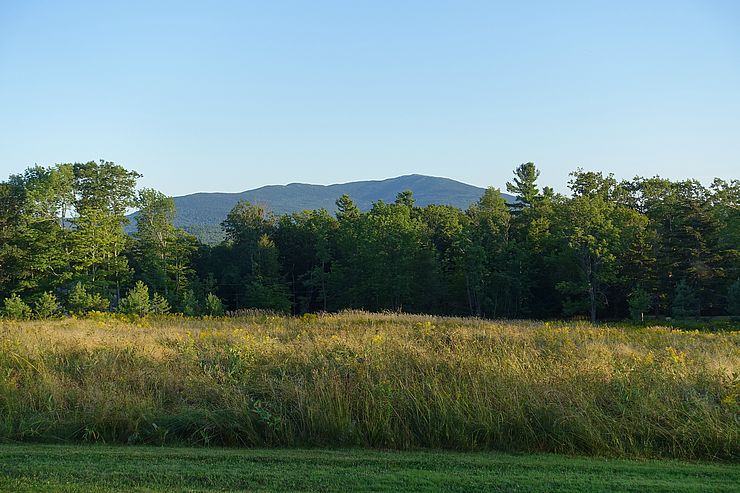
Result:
<point x="611" y="249"/>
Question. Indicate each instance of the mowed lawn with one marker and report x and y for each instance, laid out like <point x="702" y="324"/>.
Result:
<point x="99" y="468"/>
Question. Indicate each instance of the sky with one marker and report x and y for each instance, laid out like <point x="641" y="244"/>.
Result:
<point x="229" y="96"/>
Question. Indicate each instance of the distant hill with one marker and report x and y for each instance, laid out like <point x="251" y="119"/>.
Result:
<point x="202" y="213"/>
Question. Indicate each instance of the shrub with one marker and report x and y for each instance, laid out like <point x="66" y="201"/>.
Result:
<point x="188" y="303"/>
<point x="685" y="302"/>
<point x="46" y="306"/>
<point x="136" y="301"/>
<point x="159" y="305"/>
<point x="97" y="303"/>
<point x="16" y="308"/>
<point x="80" y="301"/>
<point x="214" y="307"/>
<point x="639" y="303"/>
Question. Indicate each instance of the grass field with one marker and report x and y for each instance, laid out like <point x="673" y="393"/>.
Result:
<point x="94" y="468"/>
<point x="379" y="381"/>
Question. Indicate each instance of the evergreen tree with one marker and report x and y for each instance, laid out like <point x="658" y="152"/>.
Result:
<point x="15" y="308"/>
<point x="214" y="307"/>
<point x="79" y="301"/>
<point x="46" y="306"/>
<point x="639" y="303"/>
<point x="159" y="305"/>
<point x="346" y="208"/>
<point x="136" y="301"/>
<point x="267" y="291"/>
<point x="489" y="286"/>
<point x="524" y="186"/>
<point x="733" y="298"/>
<point x="685" y="302"/>
<point x="189" y="303"/>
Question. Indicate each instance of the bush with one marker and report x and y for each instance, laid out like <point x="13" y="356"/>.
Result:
<point x="159" y="305"/>
<point x="188" y="303"/>
<point x="136" y="301"/>
<point x="46" y="306"/>
<point x="685" y="302"/>
<point x="214" y="306"/>
<point x="15" y="308"/>
<point x="639" y="303"/>
<point x="80" y="301"/>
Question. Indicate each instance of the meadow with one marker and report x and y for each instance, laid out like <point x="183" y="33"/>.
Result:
<point x="383" y="381"/>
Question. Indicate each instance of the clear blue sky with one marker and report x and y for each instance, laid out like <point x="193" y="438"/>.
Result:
<point x="234" y="95"/>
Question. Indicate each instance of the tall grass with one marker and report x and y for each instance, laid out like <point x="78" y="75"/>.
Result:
<point x="360" y="379"/>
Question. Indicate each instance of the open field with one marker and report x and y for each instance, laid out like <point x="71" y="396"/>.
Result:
<point x="367" y="380"/>
<point x="80" y="468"/>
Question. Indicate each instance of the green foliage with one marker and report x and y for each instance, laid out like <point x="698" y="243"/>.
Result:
<point x="162" y="252"/>
<point x="15" y="308"/>
<point x="159" y="305"/>
<point x="80" y="301"/>
<point x="214" y="307"/>
<point x="189" y="303"/>
<point x="200" y="213"/>
<point x="685" y="302"/>
<point x="639" y="303"/>
<point x="46" y="306"/>
<point x="543" y="256"/>
<point x="103" y="191"/>
<point x="525" y="184"/>
<point x="137" y="301"/>
<point x="486" y="253"/>
<point x="346" y="208"/>
<point x="733" y="298"/>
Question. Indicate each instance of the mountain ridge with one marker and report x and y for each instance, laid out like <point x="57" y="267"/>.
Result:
<point x="204" y="211"/>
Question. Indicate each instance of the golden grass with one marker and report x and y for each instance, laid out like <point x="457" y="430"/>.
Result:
<point x="377" y="380"/>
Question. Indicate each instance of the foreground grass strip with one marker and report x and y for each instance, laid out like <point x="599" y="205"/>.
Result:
<point x="95" y="468"/>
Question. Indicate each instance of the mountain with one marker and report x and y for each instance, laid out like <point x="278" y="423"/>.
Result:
<point x="202" y="213"/>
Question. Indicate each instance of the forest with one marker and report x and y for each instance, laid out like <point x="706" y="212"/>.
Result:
<point x="610" y="249"/>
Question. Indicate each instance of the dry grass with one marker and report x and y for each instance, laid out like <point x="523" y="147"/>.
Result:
<point x="376" y="380"/>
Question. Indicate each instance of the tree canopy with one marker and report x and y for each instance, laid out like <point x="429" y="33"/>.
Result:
<point x="610" y="249"/>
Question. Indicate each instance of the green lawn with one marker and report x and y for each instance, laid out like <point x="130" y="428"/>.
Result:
<point x="93" y="468"/>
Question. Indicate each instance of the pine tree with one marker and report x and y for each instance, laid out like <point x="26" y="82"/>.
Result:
<point x="136" y="302"/>
<point x="525" y="185"/>
<point x="46" y="306"/>
<point x="15" y="308"/>
<point x="214" y="307"/>
<point x="189" y="305"/>
<point x="159" y="305"/>
<point x="733" y="298"/>
<point x="639" y="303"/>
<point x="346" y="208"/>
<point x="685" y="302"/>
<point x="80" y="301"/>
